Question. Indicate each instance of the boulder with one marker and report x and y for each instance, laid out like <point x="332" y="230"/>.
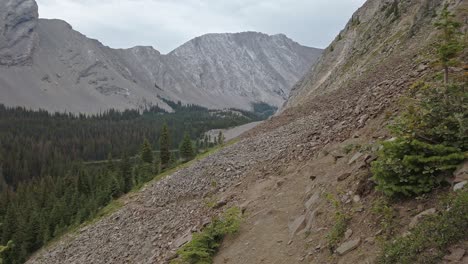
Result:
<point x="415" y="221"/>
<point x="312" y="200"/>
<point x="355" y="158"/>
<point x="461" y="174"/>
<point x="297" y="225"/>
<point x="348" y="234"/>
<point x="460" y="185"/>
<point x="348" y="246"/>
<point x="456" y="254"/>
<point x="184" y="239"/>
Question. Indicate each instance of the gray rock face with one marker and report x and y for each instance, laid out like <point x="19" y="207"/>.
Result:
<point x="18" y="21"/>
<point x="232" y="67"/>
<point x="66" y="71"/>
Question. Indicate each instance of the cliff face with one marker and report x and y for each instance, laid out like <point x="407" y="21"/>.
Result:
<point x="18" y="36"/>
<point x="46" y="64"/>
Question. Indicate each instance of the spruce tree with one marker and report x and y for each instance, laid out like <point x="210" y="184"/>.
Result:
<point x="146" y="152"/>
<point x="186" y="148"/>
<point x="126" y="171"/>
<point x="157" y="164"/>
<point x="110" y="163"/>
<point x="220" y="138"/>
<point x="449" y="44"/>
<point x="164" y="142"/>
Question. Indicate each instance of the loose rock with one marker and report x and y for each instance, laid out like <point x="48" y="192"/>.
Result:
<point x="415" y="221"/>
<point x="460" y="185"/>
<point x="348" y="246"/>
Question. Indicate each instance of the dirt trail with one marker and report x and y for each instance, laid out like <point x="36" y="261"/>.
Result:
<point x="272" y="202"/>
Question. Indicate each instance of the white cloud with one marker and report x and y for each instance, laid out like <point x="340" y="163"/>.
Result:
<point x="165" y="24"/>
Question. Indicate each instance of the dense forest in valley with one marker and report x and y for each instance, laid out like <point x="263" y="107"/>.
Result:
<point x="38" y="143"/>
<point x="48" y="183"/>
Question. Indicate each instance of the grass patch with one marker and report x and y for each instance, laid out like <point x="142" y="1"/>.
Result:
<point x="341" y="220"/>
<point x="428" y="242"/>
<point x="205" y="245"/>
<point x="382" y="208"/>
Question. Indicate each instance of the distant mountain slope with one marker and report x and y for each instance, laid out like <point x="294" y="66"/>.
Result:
<point x="380" y="32"/>
<point x="46" y="64"/>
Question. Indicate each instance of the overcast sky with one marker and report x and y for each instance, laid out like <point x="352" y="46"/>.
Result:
<point x="166" y="24"/>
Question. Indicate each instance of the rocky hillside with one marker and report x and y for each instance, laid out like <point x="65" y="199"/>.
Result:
<point x="287" y="173"/>
<point x="47" y="64"/>
<point x="380" y="32"/>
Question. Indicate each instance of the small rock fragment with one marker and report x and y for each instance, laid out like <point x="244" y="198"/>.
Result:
<point x="220" y="204"/>
<point x="356" y="198"/>
<point x="297" y="225"/>
<point x="348" y="234"/>
<point x="344" y="176"/>
<point x="370" y="240"/>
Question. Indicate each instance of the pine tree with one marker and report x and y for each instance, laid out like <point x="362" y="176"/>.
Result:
<point x="449" y="45"/>
<point x="186" y="148"/>
<point x="146" y="152"/>
<point x="126" y="171"/>
<point x="110" y="163"/>
<point x="157" y="165"/>
<point x="164" y="142"/>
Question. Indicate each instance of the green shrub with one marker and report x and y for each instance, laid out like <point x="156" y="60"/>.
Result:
<point x="431" y="140"/>
<point x="205" y="244"/>
<point x="410" y="166"/>
<point x="437" y="115"/>
<point x="428" y="241"/>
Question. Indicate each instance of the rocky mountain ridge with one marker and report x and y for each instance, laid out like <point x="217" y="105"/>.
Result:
<point x="47" y="64"/>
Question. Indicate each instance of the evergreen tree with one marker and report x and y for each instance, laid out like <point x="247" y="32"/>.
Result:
<point x="157" y="165"/>
<point x="172" y="160"/>
<point x="110" y="162"/>
<point x="164" y="142"/>
<point x="146" y="152"/>
<point x="186" y="148"/>
<point x="126" y="172"/>
<point x="221" y="138"/>
<point x="449" y="44"/>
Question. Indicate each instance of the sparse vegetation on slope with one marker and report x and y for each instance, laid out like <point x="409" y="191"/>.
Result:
<point x="205" y="244"/>
<point x="428" y="241"/>
<point x="432" y="132"/>
<point x="340" y="224"/>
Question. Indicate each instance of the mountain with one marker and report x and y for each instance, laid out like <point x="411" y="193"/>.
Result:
<point x="302" y="179"/>
<point x="46" y="64"/>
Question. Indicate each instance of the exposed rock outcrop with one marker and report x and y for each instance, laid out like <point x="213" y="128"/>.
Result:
<point x="18" y="36"/>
